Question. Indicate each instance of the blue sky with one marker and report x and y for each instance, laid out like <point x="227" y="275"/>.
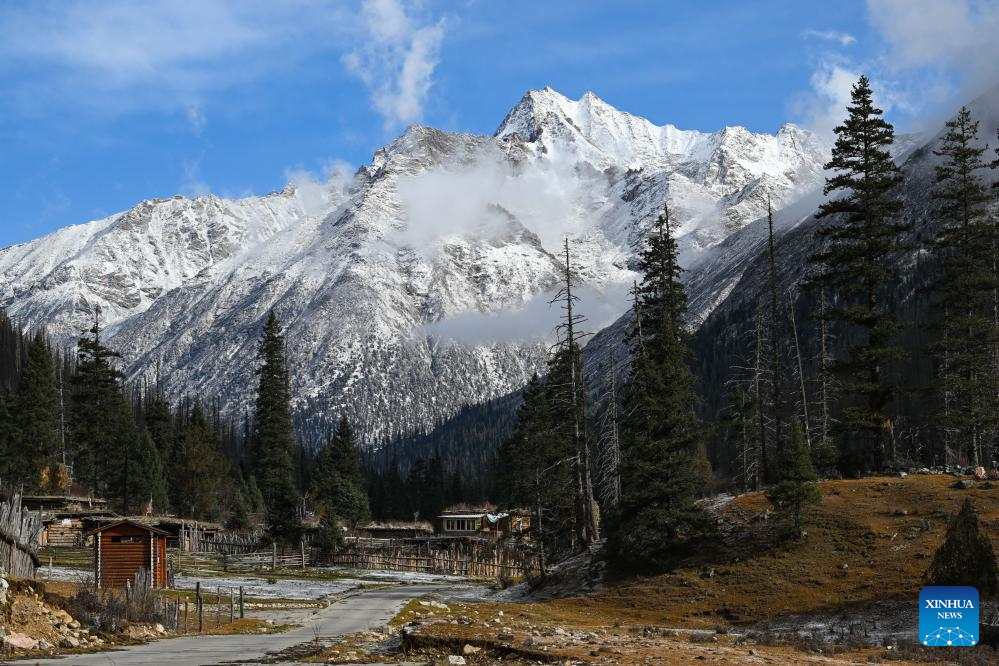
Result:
<point x="103" y="104"/>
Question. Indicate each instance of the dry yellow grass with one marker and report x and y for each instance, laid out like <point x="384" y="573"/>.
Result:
<point x="869" y="540"/>
<point x="859" y="524"/>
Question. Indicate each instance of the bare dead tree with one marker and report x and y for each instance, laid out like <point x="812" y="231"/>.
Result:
<point x="758" y="385"/>
<point x="801" y="372"/>
<point x="774" y="326"/>
<point x="610" y="443"/>
<point x="587" y="528"/>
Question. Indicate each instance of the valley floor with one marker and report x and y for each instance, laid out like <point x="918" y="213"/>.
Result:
<point x="847" y="593"/>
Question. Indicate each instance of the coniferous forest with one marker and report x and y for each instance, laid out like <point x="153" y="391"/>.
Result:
<point x="864" y="343"/>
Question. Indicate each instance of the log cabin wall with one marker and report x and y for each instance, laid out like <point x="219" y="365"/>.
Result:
<point x="121" y="550"/>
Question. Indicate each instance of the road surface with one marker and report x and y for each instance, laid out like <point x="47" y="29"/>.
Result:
<point x="370" y="608"/>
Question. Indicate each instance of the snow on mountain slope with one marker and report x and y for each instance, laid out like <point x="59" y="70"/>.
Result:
<point x="370" y="275"/>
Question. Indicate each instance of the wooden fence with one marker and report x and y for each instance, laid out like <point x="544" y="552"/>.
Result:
<point x="19" y="530"/>
<point x="456" y="559"/>
<point x="193" y="539"/>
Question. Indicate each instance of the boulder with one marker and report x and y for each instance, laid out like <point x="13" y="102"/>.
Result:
<point x="963" y="484"/>
<point x="44" y="644"/>
<point x="455" y="660"/>
<point x="69" y="642"/>
<point x="470" y="649"/>
<point x="4" y="586"/>
<point x="20" y="642"/>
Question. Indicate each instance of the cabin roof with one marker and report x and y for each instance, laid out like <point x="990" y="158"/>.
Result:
<point x="133" y="523"/>
<point x="491" y="517"/>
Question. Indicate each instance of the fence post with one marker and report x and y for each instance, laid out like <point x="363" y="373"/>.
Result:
<point x="241" y="602"/>
<point x="187" y="616"/>
<point x="201" y="616"/>
<point x="218" y="607"/>
<point x="301" y="545"/>
<point x="274" y="556"/>
<point x="231" y="610"/>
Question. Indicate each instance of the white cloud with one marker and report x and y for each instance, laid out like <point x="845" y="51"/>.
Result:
<point x="196" y="118"/>
<point x="932" y="55"/>
<point x="192" y="184"/>
<point x="119" y="55"/>
<point x="479" y="198"/>
<point x="843" y="38"/>
<point x="396" y="60"/>
<point x="314" y="190"/>
<point x="535" y="320"/>
<point x="953" y="39"/>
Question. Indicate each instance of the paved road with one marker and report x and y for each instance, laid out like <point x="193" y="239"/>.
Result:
<point x="371" y="608"/>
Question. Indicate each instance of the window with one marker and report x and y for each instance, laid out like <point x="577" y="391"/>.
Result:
<point x="127" y="539"/>
<point x="461" y="524"/>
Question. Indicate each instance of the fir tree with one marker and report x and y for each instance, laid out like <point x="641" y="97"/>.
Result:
<point x="966" y="243"/>
<point x="239" y="515"/>
<point x="796" y="485"/>
<point x="339" y="487"/>
<point x="274" y="437"/>
<point x="159" y="421"/>
<point x="966" y="556"/>
<point x="535" y="470"/>
<point x="38" y="415"/>
<point x="7" y="454"/>
<point x="102" y="425"/>
<point x="351" y="499"/>
<point x="200" y="470"/>
<point x="860" y="234"/>
<point x="152" y="481"/>
<point x="660" y="433"/>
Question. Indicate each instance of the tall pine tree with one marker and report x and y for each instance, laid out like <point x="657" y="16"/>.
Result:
<point x="102" y="423"/>
<point x="660" y="433"/>
<point x="535" y="469"/>
<point x="339" y="487"/>
<point x="274" y="438"/>
<point x="860" y="233"/>
<point x="38" y="417"/>
<point x="965" y="244"/>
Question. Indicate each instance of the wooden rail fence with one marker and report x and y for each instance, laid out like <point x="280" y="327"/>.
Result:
<point x="193" y="539"/>
<point x="473" y="560"/>
<point x="19" y="530"/>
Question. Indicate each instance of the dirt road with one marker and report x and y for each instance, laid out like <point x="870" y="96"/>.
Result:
<point x="370" y="608"/>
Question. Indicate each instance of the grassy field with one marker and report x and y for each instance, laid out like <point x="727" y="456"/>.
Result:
<point x="76" y="558"/>
<point x="870" y="540"/>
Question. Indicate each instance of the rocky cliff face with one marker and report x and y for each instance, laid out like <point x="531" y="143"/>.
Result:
<point x="417" y="285"/>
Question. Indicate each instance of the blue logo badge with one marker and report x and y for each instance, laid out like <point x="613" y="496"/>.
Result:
<point x="948" y="615"/>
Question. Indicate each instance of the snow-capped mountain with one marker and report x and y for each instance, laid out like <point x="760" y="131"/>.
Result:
<point x="395" y="282"/>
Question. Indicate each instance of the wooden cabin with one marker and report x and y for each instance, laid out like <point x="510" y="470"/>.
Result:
<point x="516" y="523"/>
<point x="72" y="529"/>
<point x="393" y="531"/>
<point x="484" y="524"/>
<point x="123" y="548"/>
